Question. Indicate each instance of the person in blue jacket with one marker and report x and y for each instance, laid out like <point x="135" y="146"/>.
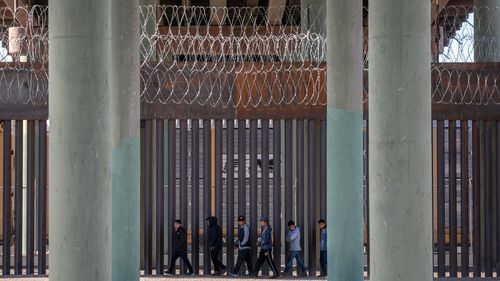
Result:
<point x="323" y="247"/>
<point x="266" y="247"/>
<point x="293" y="239"/>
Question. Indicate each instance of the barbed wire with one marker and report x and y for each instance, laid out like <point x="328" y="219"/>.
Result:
<point x="245" y="57"/>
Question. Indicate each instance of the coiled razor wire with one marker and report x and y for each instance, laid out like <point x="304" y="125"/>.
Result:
<point x="246" y="57"/>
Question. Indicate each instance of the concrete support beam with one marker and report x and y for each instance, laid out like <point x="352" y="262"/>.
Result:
<point x="345" y="140"/>
<point x="94" y="143"/>
<point x="487" y="30"/>
<point x="80" y="140"/>
<point x="125" y="124"/>
<point x="400" y="141"/>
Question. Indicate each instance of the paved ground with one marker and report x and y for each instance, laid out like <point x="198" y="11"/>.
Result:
<point x="180" y="278"/>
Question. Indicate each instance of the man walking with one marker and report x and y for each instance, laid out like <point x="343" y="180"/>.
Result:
<point x="266" y="247"/>
<point x="215" y="244"/>
<point x="244" y="248"/>
<point x="293" y="238"/>
<point x="323" y="248"/>
<point x="179" y="246"/>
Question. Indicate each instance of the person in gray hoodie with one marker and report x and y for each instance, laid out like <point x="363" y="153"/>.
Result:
<point x="293" y="239"/>
<point x="323" y="247"/>
<point x="266" y="246"/>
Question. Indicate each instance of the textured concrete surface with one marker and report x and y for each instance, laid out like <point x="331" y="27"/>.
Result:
<point x="400" y="141"/>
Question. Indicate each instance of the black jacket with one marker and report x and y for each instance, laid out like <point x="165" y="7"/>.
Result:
<point x="214" y="233"/>
<point x="179" y="240"/>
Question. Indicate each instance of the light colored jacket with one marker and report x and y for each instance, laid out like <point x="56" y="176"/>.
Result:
<point x="293" y="238"/>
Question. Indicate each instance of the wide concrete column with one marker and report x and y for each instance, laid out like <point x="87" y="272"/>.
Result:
<point x="80" y="140"/>
<point x="487" y="30"/>
<point x="400" y="140"/>
<point x="345" y="140"/>
<point x="125" y="171"/>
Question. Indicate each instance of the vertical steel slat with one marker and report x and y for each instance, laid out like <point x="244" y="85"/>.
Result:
<point x="488" y="204"/>
<point x="160" y="184"/>
<point x="230" y="193"/>
<point x="464" y="200"/>
<point x="6" y="196"/>
<point x="195" y="193"/>
<point x="18" y="198"/>
<point x="277" y="190"/>
<point x="183" y="142"/>
<point x="498" y="193"/>
<point x="42" y="197"/>
<point x="288" y="176"/>
<point x="241" y="167"/>
<point x="299" y="197"/>
<point x="265" y="168"/>
<point x="476" y="200"/>
<point x="172" y="177"/>
<point x="218" y="170"/>
<point x="265" y="178"/>
<point x="253" y="186"/>
<point x="242" y="188"/>
<point x="183" y="185"/>
<point x="311" y="194"/>
<point x="322" y="168"/>
<point x="30" y="215"/>
<point x="440" y="199"/>
<point x="148" y="197"/>
<point x="207" y="195"/>
<point x="452" y="152"/>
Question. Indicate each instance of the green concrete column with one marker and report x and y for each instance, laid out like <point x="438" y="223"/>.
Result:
<point x="125" y="171"/>
<point x="487" y="30"/>
<point x="80" y="140"/>
<point x="400" y="141"/>
<point x="345" y="140"/>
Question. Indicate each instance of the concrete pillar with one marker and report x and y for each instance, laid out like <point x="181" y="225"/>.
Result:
<point x="345" y="140"/>
<point x="80" y="141"/>
<point x="400" y="141"/>
<point x="487" y="30"/>
<point x="125" y="171"/>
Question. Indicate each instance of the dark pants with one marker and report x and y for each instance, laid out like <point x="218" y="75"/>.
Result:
<point x="244" y="255"/>
<point x="323" y="261"/>
<point x="214" y="253"/>
<point x="265" y="255"/>
<point x="175" y="256"/>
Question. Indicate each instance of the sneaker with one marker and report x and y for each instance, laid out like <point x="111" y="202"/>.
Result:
<point x="190" y="274"/>
<point x="234" y="274"/>
<point x="216" y="273"/>
<point x="168" y="273"/>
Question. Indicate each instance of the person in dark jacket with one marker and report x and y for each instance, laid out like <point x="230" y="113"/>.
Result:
<point x="266" y="247"/>
<point x="215" y="244"/>
<point x="323" y="247"/>
<point x="179" y="248"/>
<point x="244" y="248"/>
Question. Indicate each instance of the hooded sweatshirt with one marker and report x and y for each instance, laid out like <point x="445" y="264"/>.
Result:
<point x="293" y="237"/>
<point x="266" y="243"/>
<point x="214" y="233"/>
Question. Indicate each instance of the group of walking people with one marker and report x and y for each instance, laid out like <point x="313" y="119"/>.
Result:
<point x="244" y="246"/>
